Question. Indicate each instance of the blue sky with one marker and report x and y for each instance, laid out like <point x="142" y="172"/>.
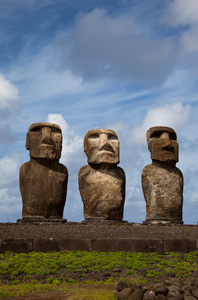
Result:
<point x="124" y="65"/>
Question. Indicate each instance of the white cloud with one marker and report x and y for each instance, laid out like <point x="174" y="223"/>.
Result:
<point x="72" y="143"/>
<point x="189" y="42"/>
<point x="9" y="97"/>
<point x="173" y="115"/>
<point x="9" y="170"/>
<point x="10" y="200"/>
<point x="183" y="12"/>
<point x="11" y="205"/>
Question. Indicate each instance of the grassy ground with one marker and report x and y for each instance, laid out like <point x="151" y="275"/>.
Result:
<point x="87" y="275"/>
<point x="66" y="291"/>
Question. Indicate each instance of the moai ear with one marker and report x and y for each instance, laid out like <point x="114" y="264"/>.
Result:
<point x="85" y="143"/>
<point x="27" y="142"/>
<point x="148" y="135"/>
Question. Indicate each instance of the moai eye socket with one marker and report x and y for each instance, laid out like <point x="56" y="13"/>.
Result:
<point x="94" y="136"/>
<point x="112" y="137"/>
<point x="156" y="134"/>
<point x="36" y="129"/>
<point x="173" y="136"/>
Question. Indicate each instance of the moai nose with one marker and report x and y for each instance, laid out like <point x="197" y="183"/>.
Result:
<point x="46" y="135"/>
<point x="166" y="139"/>
<point x="103" y="140"/>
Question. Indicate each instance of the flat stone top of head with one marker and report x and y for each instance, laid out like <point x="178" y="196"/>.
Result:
<point x="44" y="140"/>
<point x="38" y="126"/>
<point x="101" y="146"/>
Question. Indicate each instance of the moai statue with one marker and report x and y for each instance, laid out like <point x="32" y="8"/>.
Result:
<point x="43" y="180"/>
<point x="162" y="182"/>
<point x="101" y="182"/>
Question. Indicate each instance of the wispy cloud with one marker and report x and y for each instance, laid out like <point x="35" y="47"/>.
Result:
<point x="9" y="96"/>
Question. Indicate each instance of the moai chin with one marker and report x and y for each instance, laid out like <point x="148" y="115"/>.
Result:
<point x="162" y="181"/>
<point x="102" y="182"/>
<point x="43" y="180"/>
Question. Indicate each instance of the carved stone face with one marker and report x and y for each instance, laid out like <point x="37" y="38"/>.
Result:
<point x="44" y="140"/>
<point x="101" y="146"/>
<point x="162" y="143"/>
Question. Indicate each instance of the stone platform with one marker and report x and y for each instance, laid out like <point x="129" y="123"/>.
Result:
<point x="57" y="236"/>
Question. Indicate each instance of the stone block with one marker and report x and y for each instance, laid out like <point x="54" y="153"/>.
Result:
<point x="180" y="245"/>
<point x="17" y="245"/>
<point x="80" y="244"/>
<point x="124" y="245"/>
<point x="109" y="245"/>
<point x="147" y="245"/>
<point x="46" y="245"/>
<point x="64" y="244"/>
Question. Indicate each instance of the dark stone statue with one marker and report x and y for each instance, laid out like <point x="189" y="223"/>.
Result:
<point x="43" y="180"/>
<point x="102" y="182"/>
<point x="162" y="181"/>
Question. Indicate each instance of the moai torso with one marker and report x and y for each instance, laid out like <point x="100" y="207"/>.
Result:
<point x="101" y="182"/>
<point x="162" y="187"/>
<point x="162" y="182"/>
<point x="102" y="192"/>
<point x="43" y="180"/>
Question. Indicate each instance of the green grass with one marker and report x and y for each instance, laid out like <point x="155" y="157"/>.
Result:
<point x="63" y="266"/>
<point x="79" y="292"/>
<point x="19" y="271"/>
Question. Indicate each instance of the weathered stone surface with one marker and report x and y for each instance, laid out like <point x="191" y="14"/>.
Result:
<point x="157" y="285"/>
<point x="195" y="293"/>
<point x="161" y="290"/>
<point x="175" y="287"/>
<point x="149" y="295"/>
<point x="162" y="182"/>
<point x="101" y="182"/>
<point x="168" y="289"/>
<point x="176" y="281"/>
<point x="124" y="293"/>
<point x="121" y="285"/>
<point x="182" y="245"/>
<point x="17" y="245"/>
<point x="193" y="282"/>
<point x="46" y="245"/>
<point x="80" y="244"/>
<point x="161" y="297"/>
<point x="104" y="244"/>
<point x="43" y="180"/>
<point x="137" y="294"/>
<point x="173" y="292"/>
<point x="189" y="298"/>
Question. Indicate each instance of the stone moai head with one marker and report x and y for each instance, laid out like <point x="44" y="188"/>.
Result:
<point x="101" y="146"/>
<point x="44" y="140"/>
<point x="162" y="143"/>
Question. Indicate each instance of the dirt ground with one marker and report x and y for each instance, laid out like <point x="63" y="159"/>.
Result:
<point x="59" y="295"/>
<point x="94" y="231"/>
<point x="46" y="296"/>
